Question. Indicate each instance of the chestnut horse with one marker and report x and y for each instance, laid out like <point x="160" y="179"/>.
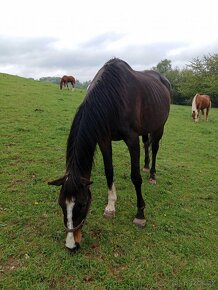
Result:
<point x="67" y="79"/>
<point x="120" y="104"/>
<point x="199" y="103"/>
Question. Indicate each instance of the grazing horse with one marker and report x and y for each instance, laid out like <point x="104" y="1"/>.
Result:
<point x="67" y="79"/>
<point x="120" y="104"/>
<point x="199" y="103"/>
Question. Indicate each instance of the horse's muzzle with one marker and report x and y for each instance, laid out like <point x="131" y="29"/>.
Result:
<point x="75" y="249"/>
<point x="73" y="240"/>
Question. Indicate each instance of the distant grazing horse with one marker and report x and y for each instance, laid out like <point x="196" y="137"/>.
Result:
<point x="200" y="102"/>
<point x="67" y="79"/>
<point x="120" y="104"/>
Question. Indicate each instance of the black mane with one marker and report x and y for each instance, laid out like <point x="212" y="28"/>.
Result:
<point x="94" y="118"/>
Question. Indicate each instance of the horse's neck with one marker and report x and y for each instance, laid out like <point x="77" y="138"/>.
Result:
<point x="80" y="151"/>
<point x="81" y="164"/>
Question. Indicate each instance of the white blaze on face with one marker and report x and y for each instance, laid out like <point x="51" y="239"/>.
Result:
<point x="70" y="242"/>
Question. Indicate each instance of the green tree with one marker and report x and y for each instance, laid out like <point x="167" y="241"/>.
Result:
<point x="174" y="76"/>
<point x="205" y="77"/>
<point x="163" y="66"/>
<point x="200" y="76"/>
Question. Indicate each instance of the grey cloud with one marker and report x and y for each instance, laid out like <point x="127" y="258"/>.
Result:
<point x="148" y="54"/>
<point x="102" y="40"/>
<point x="23" y="47"/>
<point x="38" y="57"/>
<point x="189" y="53"/>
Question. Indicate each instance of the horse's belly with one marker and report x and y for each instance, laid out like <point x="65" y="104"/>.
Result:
<point x="153" y="121"/>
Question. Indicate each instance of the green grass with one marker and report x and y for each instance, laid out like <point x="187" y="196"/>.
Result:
<point x="176" y="250"/>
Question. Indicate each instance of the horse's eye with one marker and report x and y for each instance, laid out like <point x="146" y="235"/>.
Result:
<point x="81" y="205"/>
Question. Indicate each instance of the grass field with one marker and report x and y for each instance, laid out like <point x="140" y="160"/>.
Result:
<point x="176" y="250"/>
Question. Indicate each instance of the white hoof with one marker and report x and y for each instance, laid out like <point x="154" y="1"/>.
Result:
<point x="139" y="222"/>
<point x="109" y="214"/>
<point x="146" y="170"/>
<point x="152" y="181"/>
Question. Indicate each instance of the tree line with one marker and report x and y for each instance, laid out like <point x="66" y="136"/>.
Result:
<point x="200" y="76"/>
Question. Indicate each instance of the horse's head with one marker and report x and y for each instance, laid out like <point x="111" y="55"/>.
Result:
<point x="195" y="116"/>
<point x="75" y="203"/>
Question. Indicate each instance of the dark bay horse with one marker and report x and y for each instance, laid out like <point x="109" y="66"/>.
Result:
<point x="199" y="103"/>
<point x="67" y="79"/>
<point x="121" y="104"/>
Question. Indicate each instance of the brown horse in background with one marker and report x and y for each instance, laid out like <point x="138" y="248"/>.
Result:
<point x="199" y="103"/>
<point x="67" y="79"/>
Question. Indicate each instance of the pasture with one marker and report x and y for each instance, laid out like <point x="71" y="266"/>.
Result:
<point x="176" y="250"/>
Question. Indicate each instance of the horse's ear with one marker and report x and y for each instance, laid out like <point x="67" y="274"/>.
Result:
<point x="57" y="182"/>
<point x="85" y="182"/>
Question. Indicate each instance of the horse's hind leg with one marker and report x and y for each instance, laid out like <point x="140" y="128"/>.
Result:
<point x="155" y="147"/>
<point x="106" y="150"/>
<point x="134" y="150"/>
<point x="145" y="140"/>
<point x="198" y="115"/>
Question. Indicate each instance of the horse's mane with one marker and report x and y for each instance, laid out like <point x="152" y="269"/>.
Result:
<point x="94" y="117"/>
<point x="194" y="108"/>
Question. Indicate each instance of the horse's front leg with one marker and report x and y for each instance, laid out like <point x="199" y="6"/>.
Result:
<point x="106" y="150"/>
<point x="207" y="111"/>
<point x="134" y="150"/>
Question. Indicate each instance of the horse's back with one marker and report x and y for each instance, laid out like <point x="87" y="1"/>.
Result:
<point x="68" y="78"/>
<point x="146" y="100"/>
<point x="156" y="75"/>
<point x="203" y="101"/>
<point x="136" y="101"/>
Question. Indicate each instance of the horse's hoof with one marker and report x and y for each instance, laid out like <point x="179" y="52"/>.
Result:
<point x="146" y="170"/>
<point x="152" y="181"/>
<point x="139" y="222"/>
<point x="109" y="214"/>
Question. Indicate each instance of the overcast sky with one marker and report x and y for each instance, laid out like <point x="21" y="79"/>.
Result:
<point x="51" y="38"/>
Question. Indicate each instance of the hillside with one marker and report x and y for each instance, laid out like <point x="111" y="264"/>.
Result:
<point x="177" y="248"/>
